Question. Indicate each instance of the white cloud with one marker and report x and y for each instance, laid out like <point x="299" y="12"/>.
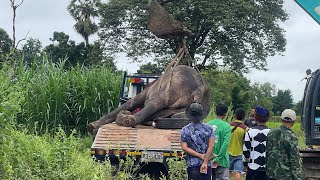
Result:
<point x="302" y="53"/>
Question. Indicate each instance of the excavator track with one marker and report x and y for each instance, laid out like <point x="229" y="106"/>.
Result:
<point x="310" y="162"/>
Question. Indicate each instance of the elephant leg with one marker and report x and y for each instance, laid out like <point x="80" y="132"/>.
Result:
<point x="151" y="107"/>
<point x="129" y="105"/>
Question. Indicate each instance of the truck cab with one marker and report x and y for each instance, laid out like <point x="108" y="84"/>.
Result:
<point x="148" y="145"/>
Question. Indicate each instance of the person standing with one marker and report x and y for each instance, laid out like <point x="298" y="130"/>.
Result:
<point x="238" y="130"/>
<point x="197" y="140"/>
<point x="250" y="122"/>
<point x="220" y="156"/>
<point x="254" y="148"/>
<point x="283" y="161"/>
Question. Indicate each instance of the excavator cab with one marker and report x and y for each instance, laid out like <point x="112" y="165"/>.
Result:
<point x="310" y="117"/>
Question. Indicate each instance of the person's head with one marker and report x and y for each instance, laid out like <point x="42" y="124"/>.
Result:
<point x="239" y="114"/>
<point x="288" y="117"/>
<point x="252" y="113"/>
<point x="221" y="110"/>
<point x="195" y="112"/>
<point x="261" y="115"/>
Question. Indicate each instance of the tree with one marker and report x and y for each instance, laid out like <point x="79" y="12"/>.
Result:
<point x="62" y="48"/>
<point x="262" y="94"/>
<point x="229" y="88"/>
<point x="298" y="107"/>
<point x="14" y="7"/>
<point x="31" y="50"/>
<point x="84" y="12"/>
<point x="96" y="56"/>
<point x="283" y="100"/>
<point x="5" y="45"/>
<point x="151" y="68"/>
<point x="238" y="34"/>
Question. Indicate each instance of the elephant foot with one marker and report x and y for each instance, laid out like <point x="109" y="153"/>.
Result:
<point x="126" y="120"/>
<point x="91" y="127"/>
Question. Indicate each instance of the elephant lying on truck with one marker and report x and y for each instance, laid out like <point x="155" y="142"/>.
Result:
<point x="170" y="94"/>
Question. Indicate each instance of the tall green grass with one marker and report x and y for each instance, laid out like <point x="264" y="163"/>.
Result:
<point x="70" y="98"/>
<point x="50" y="157"/>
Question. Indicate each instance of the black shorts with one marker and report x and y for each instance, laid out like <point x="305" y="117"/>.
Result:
<point x="194" y="173"/>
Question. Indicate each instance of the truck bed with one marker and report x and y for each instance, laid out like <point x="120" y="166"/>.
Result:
<point x="112" y="136"/>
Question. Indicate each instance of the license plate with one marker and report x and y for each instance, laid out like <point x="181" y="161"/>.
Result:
<point x="150" y="156"/>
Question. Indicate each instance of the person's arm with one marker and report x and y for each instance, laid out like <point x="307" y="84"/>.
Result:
<point x="184" y="145"/>
<point x="224" y="146"/>
<point x="209" y="151"/>
<point x="190" y="151"/>
<point x="295" y="159"/>
<point x="204" y="166"/>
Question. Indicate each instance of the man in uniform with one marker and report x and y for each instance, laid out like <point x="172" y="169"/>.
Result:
<point x="283" y="161"/>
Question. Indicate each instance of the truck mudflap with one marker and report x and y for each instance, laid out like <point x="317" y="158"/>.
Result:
<point x="145" y="143"/>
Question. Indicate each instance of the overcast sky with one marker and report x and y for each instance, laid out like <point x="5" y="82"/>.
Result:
<point x="43" y="17"/>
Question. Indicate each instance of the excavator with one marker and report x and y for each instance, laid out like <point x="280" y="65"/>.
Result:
<point x="310" y="124"/>
<point x="310" y="115"/>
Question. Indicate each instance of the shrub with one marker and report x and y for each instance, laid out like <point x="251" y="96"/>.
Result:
<point x="10" y="99"/>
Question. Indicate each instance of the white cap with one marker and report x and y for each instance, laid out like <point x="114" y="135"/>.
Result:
<point x="288" y="113"/>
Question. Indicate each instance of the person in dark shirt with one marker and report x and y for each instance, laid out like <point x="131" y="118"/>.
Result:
<point x="251" y="122"/>
<point x="197" y="140"/>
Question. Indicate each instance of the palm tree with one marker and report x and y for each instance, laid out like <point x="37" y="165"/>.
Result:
<point x="84" y="12"/>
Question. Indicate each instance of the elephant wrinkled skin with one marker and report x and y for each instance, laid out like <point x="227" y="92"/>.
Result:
<point x="168" y="95"/>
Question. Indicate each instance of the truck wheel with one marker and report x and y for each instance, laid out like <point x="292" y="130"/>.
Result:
<point x="171" y="123"/>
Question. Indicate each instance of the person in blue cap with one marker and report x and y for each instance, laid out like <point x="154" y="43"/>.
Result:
<point x="254" y="148"/>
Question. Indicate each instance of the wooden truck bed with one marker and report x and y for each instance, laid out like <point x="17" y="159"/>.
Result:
<point x="112" y="136"/>
<point x="145" y="142"/>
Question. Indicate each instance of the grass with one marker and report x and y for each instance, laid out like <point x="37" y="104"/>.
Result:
<point x="296" y="129"/>
<point x="70" y="98"/>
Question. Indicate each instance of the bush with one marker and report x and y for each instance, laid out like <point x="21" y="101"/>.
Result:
<point x="46" y="157"/>
<point x="10" y="99"/>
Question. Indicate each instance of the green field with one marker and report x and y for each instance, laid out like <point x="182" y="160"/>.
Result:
<point x="296" y="129"/>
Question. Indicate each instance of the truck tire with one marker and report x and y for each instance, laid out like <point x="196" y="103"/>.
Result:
<point x="171" y="123"/>
<point x="179" y="115"/>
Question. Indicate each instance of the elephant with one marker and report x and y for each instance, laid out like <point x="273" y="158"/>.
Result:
<point x="170" y="94"/>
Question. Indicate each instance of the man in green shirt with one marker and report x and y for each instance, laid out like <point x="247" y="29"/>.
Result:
<point x="282" y="154"/>
<point x="220" y="156"/>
